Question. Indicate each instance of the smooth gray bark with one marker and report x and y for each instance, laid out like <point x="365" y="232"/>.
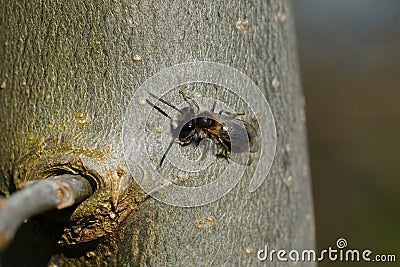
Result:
<point x="68" y="70"/>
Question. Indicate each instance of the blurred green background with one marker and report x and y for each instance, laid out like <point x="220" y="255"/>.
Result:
<point x="349" y="53"/>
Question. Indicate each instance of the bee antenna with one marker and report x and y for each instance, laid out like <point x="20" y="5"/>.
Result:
<point x="165" y="102"/>
<point x="158" y="109"/>
<point x="166" y="152"/>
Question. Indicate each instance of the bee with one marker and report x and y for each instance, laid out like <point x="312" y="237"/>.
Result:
<point x="230" y="134"/>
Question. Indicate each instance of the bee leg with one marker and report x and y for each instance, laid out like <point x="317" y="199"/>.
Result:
<point x="189" y="100"/>
<point x="224" y="154"/>
<point x="231" y="114"/>
<point x="183" y="141"/>
<point x="225" y="149"/>
<point x="216" y="98"/>
<point x="213" y="107"/>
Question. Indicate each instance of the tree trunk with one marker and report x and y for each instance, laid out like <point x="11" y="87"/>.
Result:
<point x="68" y="72"/>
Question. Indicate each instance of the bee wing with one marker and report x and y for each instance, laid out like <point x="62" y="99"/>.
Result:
<point x="242" y="139"/>
<point x="239" y="131"/>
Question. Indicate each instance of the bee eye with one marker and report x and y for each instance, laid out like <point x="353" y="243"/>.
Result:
<point x="187" y="129"/>
<point x="190" y="125"/>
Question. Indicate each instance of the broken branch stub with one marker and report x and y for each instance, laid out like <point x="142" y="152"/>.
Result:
<point x="56" y="192"/>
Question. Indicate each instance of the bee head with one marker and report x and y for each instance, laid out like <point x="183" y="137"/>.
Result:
<point x="205" y="120"/>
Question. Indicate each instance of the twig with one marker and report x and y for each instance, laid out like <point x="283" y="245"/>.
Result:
<point x="57" y="192"/>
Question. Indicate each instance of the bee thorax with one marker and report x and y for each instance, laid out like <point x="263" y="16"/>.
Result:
<point x="202" y="134"/>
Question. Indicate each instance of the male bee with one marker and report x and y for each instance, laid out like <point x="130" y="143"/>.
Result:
<point x="230" y="134"/>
